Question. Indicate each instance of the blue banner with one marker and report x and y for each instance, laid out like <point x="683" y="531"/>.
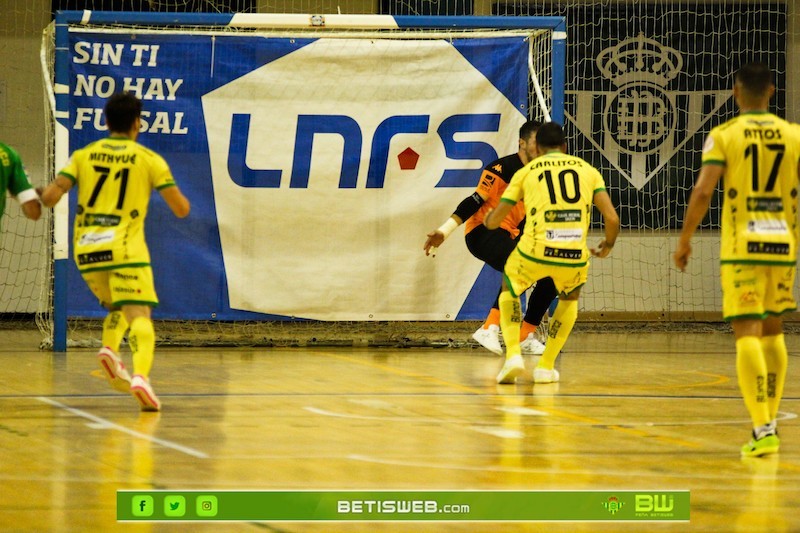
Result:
<point x="315" y="167"/>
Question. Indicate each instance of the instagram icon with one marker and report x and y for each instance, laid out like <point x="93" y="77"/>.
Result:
<point x="207" y="505"/>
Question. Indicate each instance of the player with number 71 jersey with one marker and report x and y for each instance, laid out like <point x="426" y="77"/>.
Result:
<point x="562" y="187"/>
<point x="115" y="177"/>
<point x="760" y="153"/>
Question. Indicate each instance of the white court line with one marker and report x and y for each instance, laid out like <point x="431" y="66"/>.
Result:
<point x="102" y="423"/>
<point x="375" y="404"/>
<point x="503" y="433"/>
<point x="514" y="410"/>
<point x="323" y="412"/>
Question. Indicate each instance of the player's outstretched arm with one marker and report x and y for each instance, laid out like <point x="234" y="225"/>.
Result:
<point x="436" y="237"/>
<point x="610" y="222"/>
<point x="699" y="202"/>
<point x="176" y="201"/>
<point x="468" y="207"/>
<point x="57" y="188"/>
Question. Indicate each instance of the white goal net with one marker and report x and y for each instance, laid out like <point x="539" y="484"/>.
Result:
<point x="317" y="150"/>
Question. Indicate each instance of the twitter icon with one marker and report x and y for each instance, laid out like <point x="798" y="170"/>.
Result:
<point x="174" y="505"/>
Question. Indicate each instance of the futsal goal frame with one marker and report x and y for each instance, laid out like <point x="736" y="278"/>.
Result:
<point x="58" y="88"/>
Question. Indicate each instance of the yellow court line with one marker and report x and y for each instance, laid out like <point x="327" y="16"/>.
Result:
<point x="394" y="370"/>
<point x="554" y="412"/>
<point x="789" y="466"/>
<point x="719" y="380"/>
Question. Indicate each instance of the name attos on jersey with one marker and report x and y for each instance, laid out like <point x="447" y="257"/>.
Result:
<point x="761" y="133"/>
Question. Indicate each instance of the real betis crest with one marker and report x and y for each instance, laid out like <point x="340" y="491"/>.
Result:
<point x="644" y="122"/>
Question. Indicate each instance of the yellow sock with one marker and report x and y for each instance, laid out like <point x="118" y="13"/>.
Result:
<point x="143" y="345"/>
<point x="493" y="319"/>
<point x="776" y="358"/>
<point x="560" y="327"/>
<point x="751" y="370"/>
<point x="510" y="319"/>
<point x="114" y="328"/>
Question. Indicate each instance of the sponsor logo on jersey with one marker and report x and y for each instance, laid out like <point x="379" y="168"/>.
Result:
<point x="770" y="205"/>
<point x="772" y="248"/>
<point x="562" y="253"/>
<point x="747" y="298"/>
<point x="487" y="181"/>
<point x="564" y="235"/>
<point x="567" y="215"/>
<point x="127" y="290"/>
<point x="767" y="227"/>
<point x="95" y="219"/>
<point x="744" y="282"/>
<point x="95" y="257"/>
<point x="99" y="237"/>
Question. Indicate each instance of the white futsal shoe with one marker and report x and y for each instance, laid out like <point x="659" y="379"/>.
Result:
<point x="513" y="367"/>
<point x="531" y="345"/>
<point x="113" y="369"/>
<point x="489" y="338"/>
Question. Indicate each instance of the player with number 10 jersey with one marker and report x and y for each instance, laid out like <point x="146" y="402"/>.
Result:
<point x="559" y="190"/>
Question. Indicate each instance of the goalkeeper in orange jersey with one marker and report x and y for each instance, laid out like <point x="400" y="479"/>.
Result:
<point x="494" y="246"/>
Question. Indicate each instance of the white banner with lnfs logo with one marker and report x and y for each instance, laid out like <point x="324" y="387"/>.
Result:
<point x="315" y="167"/>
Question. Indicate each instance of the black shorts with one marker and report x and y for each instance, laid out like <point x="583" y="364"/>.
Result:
<point x="492" y="246"/>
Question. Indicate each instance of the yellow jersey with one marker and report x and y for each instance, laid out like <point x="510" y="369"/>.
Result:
<point x="115" y="179"/>
<point x="558" y="191"/>
<point x="760" y="153"/>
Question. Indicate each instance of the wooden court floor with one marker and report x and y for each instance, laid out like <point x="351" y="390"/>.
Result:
<point x="653" y="411"/>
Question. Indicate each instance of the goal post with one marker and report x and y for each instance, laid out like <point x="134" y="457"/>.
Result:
<point x="317" y="151"/>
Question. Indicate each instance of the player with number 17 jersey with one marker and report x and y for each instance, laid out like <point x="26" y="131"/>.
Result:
<point x="563" y="188"/>
<point x="115" y="178"/>
<point x="760" y="153"/>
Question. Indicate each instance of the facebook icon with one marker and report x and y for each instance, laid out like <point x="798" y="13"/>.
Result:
<point x="142" y="505"/>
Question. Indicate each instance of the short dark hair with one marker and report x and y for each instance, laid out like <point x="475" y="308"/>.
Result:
<point x="122" y="110"/>
<point x="550" y="135"/>
<point x="756" y="78"/>
<point x="527" y="130"/>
